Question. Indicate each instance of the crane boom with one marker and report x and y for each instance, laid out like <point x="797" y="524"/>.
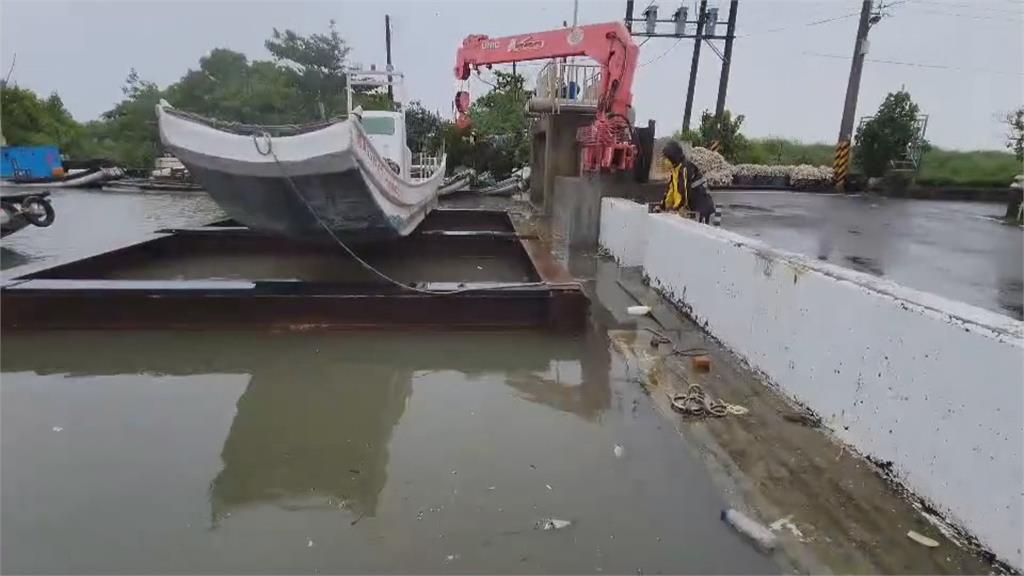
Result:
<point x="607" y="142"/>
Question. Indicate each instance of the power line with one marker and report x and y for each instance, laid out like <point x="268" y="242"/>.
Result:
<point x="814" y="23"/>
<point x="662" y="55"/>
<point x="918" y="64"/>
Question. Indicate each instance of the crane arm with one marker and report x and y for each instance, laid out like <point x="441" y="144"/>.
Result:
<point x="610" y="44"/>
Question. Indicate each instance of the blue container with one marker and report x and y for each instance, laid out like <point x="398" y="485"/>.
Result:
<point x="30" y="162"/>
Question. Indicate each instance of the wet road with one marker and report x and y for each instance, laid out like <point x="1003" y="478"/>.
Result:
<point x="953" y="249"/>
<point x="226" y="452"/>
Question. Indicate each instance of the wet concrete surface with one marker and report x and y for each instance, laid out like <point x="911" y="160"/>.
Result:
<point x="833" y="510"/>
<point x="958" y="250"/>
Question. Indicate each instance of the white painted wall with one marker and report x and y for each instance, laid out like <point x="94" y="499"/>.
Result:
<point x="933" y="385"/>
<point x="620" y="221"/>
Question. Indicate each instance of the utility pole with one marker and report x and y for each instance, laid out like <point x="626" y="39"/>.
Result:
<point x="841" y="166"/>
<point x="387" y="47"/>
<point x="629" y="16"/>
<point x="723" y="80"/>
<point x="694" y="63"/>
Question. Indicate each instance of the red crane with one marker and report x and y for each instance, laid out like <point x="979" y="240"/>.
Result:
<point x="608" y="142"/>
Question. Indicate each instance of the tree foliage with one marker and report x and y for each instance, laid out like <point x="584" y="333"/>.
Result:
<point x="885" y="137"/>
<point x="424" y="129"/>
<point x="305" y="74"/>
<point x="1015" y="137"/>
<point x="732" y="144"/>
<point x="500" y="127"/>
<point x="31" y="121"/>
<point x="317" y="65"/>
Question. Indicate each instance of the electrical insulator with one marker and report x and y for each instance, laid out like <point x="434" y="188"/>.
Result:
<point x="680" y="18"/>
<point x="710" y="21"/>
<point x="651" y="18"/>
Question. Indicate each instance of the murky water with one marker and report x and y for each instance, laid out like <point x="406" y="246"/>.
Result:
<point x="88" y="222"/>
<point x="196" y="452"/>
<point x="230" y="452"/>
<point x="954" y="249"/>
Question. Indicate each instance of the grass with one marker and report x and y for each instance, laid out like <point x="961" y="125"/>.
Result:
<point x="977" y="168"/>
<point x="777" y="151"/>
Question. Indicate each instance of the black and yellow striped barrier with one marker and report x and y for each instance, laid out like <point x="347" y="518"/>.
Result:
<point x="715" y="145"/>
<point x="841" y="166"/>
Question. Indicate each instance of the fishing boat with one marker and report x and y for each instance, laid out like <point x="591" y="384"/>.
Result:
<point x="352" y="178"/>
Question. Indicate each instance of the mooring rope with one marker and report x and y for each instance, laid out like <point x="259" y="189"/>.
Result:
<point x="369" y="267"/>
<point x="695" y="402"/>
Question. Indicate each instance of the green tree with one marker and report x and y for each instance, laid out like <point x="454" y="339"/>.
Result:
<point x="317" y="64"/>
<point x="128" y="133"/>
<point x="500" y="125"/>
<point x="885" y="137"/>
<point x="424" y="129"/>
<point x="1015" y="137"/>
<point x="31" y="121"/>
<point x="726" y="130"/>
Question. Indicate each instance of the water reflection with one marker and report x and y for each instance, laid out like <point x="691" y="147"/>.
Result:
<point x="314" y="439"/>
<point x="579" y="386"/>
<point x="312" y="427"/>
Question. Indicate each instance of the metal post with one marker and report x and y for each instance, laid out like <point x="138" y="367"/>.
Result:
<point x="694" y="63"/>
<point x="629" y="16"/>
<point x="387" y="47"/>
<point x="575" y="12"/>
<point x="860" y="50"/>
<point x="723" y="80"/>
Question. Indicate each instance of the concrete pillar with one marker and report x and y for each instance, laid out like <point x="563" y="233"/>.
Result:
<point x="576" y="209"/>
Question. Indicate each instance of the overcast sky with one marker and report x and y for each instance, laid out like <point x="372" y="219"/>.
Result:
<point x="961" y="60"/>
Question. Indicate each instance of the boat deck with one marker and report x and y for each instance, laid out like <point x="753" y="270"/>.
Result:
<point x="225" y="275"/>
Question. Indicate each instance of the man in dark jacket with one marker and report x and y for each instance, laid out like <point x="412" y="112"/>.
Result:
<point x="687" y="189"/>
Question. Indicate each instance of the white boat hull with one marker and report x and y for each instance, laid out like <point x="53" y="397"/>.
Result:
<point x="328" y="178"/>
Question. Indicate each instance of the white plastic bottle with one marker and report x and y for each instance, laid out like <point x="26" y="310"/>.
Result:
<point x="752" y="529"/>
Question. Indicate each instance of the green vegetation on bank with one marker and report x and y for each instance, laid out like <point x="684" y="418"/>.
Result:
<point x="878" y="141"/>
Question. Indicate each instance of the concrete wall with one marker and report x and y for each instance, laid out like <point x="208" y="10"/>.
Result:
<point x="620" y="221"/>
<point x="576" y="209"/>
<point x="932" y="385"/>
<point x="560" y="152"/>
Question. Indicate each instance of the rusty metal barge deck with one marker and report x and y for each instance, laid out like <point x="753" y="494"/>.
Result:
<point x="227" y="276"/>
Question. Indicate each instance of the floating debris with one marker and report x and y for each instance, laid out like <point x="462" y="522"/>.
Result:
<point x="752" y="529"/>
<point x="309" y="544"/>
<point x="58" y="429"/>
<point x="619" y="451"/>
<point x="922" y="539"/>
<point x="638" y="310"/>
<point x="787" y="523"/>
<point x="553" y="524"/>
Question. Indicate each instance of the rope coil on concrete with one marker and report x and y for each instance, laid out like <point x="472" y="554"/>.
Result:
<point x="695" y="402"/>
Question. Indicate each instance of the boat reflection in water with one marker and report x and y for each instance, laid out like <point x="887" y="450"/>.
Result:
<point x="313" y="425"/>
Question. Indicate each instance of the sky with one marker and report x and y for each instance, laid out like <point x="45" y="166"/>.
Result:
<point x="961" y="60"/>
